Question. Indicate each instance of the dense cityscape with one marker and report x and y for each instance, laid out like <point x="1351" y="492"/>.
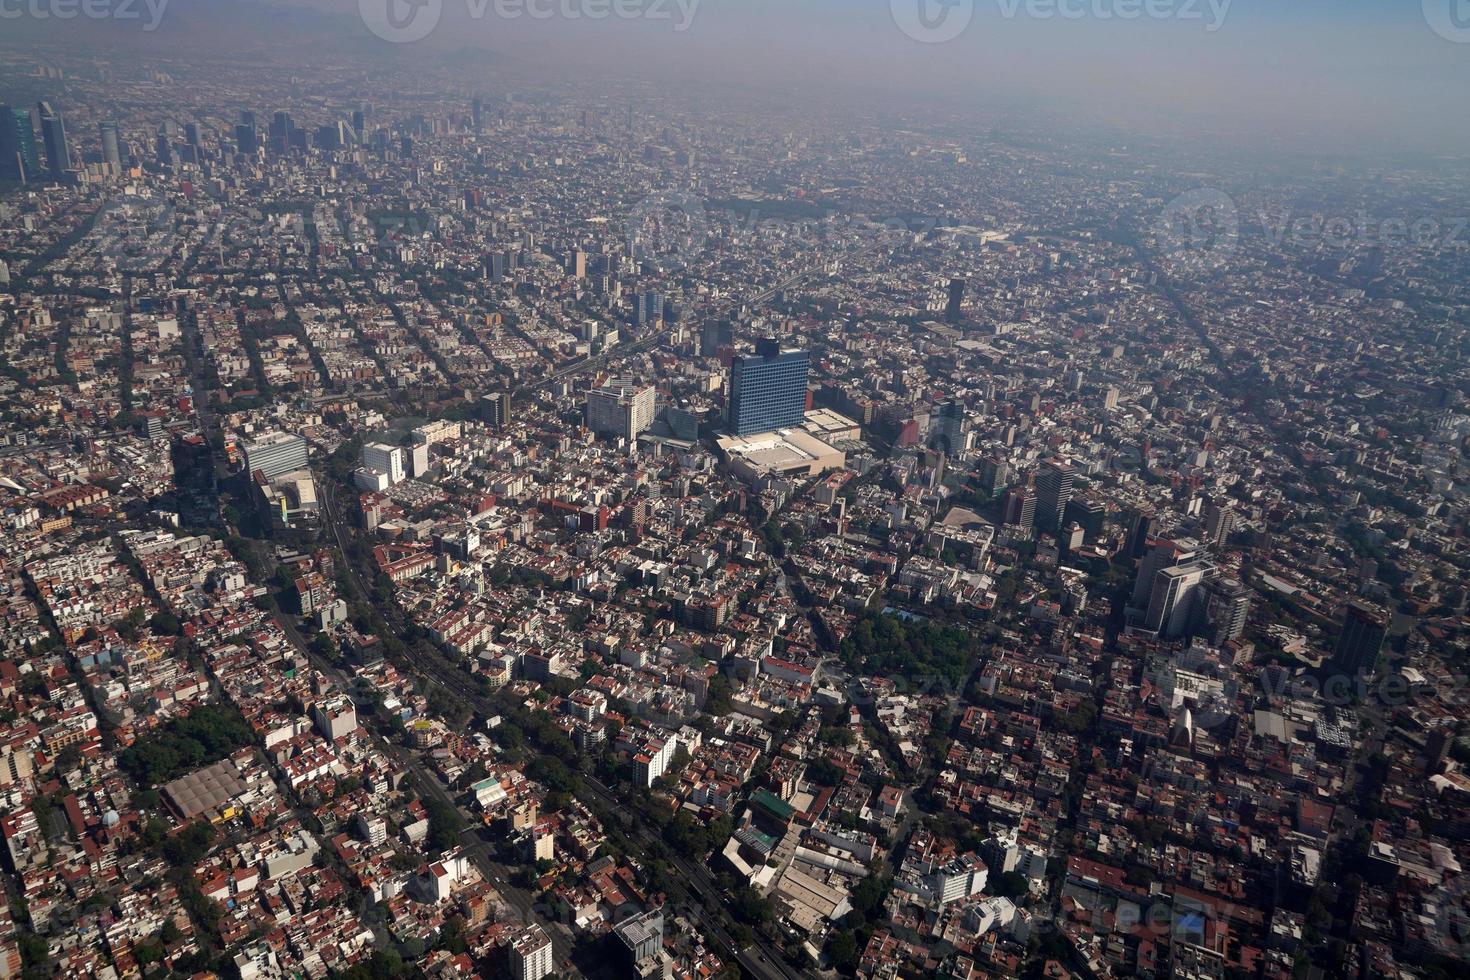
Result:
<point x="462" y="525"/>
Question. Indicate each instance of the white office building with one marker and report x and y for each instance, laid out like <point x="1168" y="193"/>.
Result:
<point x="1174" y="605"/>
<point x="276" y="454"/>
<point x="385" y="459"/>
<point x="620" y="408"/>
<point x="530" y="954"/>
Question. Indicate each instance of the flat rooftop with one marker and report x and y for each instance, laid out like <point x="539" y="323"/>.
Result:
<point x="781" y="451"/>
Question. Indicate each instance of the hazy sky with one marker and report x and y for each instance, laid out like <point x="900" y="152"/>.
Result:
<point x="1333" y="74"/>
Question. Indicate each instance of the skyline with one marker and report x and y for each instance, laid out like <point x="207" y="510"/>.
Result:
<point x="729" y="503"/>
<point x="1357" y="79"/>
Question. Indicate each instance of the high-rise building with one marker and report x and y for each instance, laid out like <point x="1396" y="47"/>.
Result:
<point x="949" y="428"/>
<point x="495" y="409"/>
<point x="642" y="936"/>
<point x="497" y="265"/>
<point x="385" y="459"/>
<point x="1175" y="604"/>
<point x="477" y="114"/>
<point x="1360" y="643"/>
<point x="111" y="149"/>
<point x="768" y="389"/>
<point x="714" y="335"/>
<point x="1089" y="513"/>
<point x="647" y="307"/>
<point x="1140" y="529"/>
<point x="956" y="299"/>
<point x="621" y="407"/>
<point x="530" y="954"/>
<point x="1161" y="554"/>
<point x="1220" y="521"/>
<point x="1227" y="608"/>
<point x="992" y="474"/>
<point x="18" y="160"/>
<point x="53" y="138"/>
<point x="246" y="140"/>
<point x="276" y="454"/>
<point x="163" y="149"/>
<point x="1019" y="508"/>
<point x="1053" y="491"/>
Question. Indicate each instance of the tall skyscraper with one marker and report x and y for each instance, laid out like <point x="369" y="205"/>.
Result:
<point x="111" y="150"/>
<point x="1141" y="526"/>
<point x="280" y="131"/>
<point x="495" y="410"/>
<point x="1053" y="490"/>
<point x="949" y="429"/>
<point x="621" y="407"/>
<point x="53" y="138"/>
<point x="1220" y="521"/>
<point x="497" y="266"/>
<point x="163" y="149"/>
<point x="1161" y="555"/>
<point x="477" y="114"/>
<point x="647" y="307"/>
<point x="1361" y="641"/>
<point x="1175" y="605"/>
<point x="18" y="159"/>
<point x="246" y="140"/>
<point x="768" y="389"/>
<point x="1227" y="608"/>
<point x="952" y="312"/>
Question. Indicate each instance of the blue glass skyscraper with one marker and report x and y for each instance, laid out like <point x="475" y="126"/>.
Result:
<point x="768" y="389"/>
<point x="53" y="137"/>
<point x="18" y="158"/>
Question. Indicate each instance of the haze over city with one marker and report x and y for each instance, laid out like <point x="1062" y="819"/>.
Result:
<point x="714" y="489"/>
